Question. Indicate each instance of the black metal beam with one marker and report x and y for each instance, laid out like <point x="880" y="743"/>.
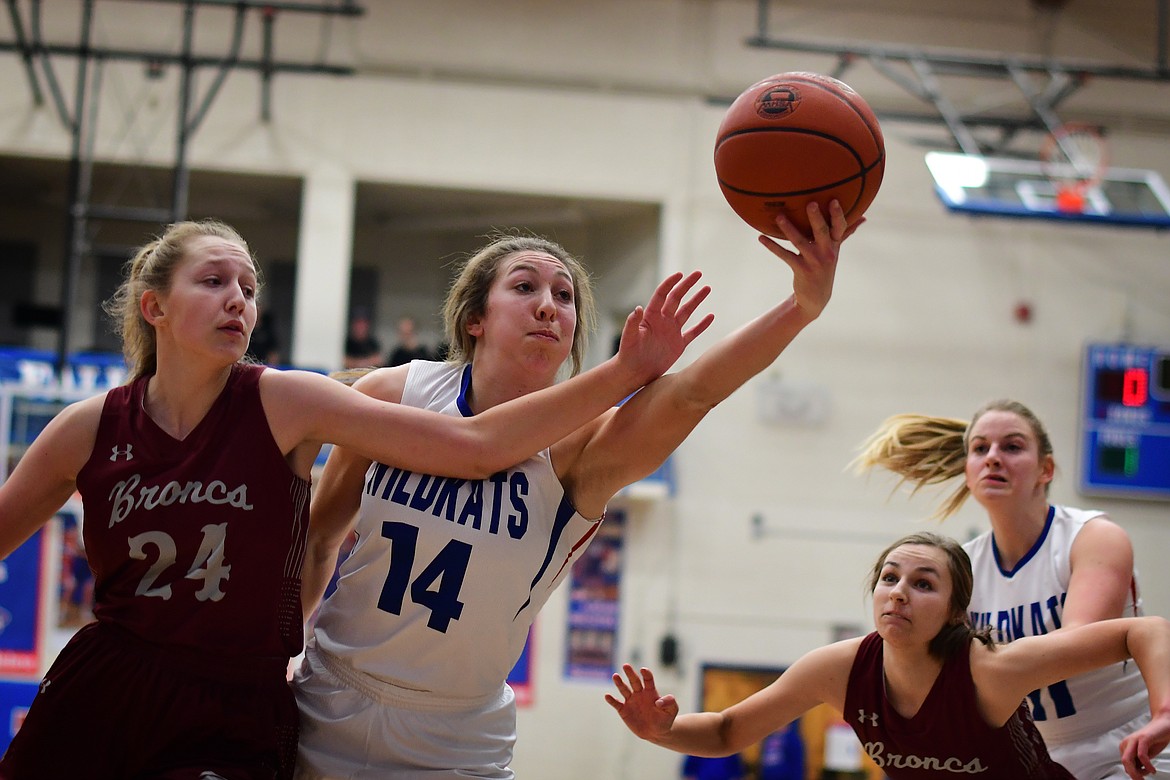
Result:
<point x="1064" y="76"/>
<point x="80" y="178"/>
<point x="81" y="120"/>
<point x="171" y="58"/>
<point x="347" y="8"/>
<point x="26" y="54"/>
<point x="962" y="63"/>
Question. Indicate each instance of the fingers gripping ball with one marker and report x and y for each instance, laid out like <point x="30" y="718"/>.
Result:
<point x="793" y="138"/>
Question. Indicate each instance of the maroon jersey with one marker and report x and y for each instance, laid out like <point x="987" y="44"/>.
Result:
<point x="197" y="544"/>
<point x="947" y="735"/>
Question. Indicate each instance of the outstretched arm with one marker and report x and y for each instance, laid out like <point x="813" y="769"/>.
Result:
<point x="308" y="407"/>
<point x="818" y="677"/>
<point x="638" y="437"/>
<point x="1004" y="676"/>
<point x="1150" y="642"/>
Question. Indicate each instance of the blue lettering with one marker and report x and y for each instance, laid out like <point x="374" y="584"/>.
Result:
<point x="1038" y="625"/>
<point x="395" y="476"/>
<point x="474" y="507"/>
<point x="1038" y="711"/>
<point x="498" y="480"/>
<point x="1004" y="625"/>
<point x="1017" y="618"/>
<point x="400" y="494"/>
<point x="518" y="523"/>
<point x="376" y="478"/>
<point x="1052" y="609"/>
<point x="424" y="492"/>
<point x="1062" y="699"/>
<point x="444" y="497"/>
<point x="1062" y="702"/>
<point x="1013" y="623"/>
<point x="448" y="498"/>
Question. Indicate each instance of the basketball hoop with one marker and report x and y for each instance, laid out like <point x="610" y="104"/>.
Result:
<point x="1075" y="158"/>
<point x="1070" y="198"/>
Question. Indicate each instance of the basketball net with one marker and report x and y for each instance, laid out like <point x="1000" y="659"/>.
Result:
<point x="1075" y="158"/>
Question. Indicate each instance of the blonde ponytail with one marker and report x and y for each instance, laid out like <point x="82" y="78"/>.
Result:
<point x="922" y="451"/>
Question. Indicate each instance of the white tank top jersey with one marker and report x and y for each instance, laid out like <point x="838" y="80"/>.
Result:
<point x="1028" y="601"/>
<point x="436" y="598"/>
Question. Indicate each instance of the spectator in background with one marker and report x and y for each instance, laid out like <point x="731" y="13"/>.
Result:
<point x="361" y="347"/>
<point x="409" y="347"/>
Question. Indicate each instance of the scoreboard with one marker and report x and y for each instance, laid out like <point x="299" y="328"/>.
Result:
<point x="1125" y="422"/>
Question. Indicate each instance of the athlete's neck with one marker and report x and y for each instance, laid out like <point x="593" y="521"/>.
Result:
<point x="492" y="385"/>
<point x="178" y="406"/>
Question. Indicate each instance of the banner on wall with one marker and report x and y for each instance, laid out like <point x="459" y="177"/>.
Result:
<point x="594" y="601"/>
<point x="20" y="595"/>
<point x="15" y="699"/>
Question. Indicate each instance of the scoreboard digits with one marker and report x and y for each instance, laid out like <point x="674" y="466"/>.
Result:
<point x="1125" y="422"/>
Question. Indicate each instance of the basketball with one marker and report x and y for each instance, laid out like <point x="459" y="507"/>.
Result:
<point x="793" y="138"/>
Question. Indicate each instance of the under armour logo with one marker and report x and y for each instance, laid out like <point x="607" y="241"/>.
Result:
<point x="126" y="452"/>
<point x="44" y="686"/>
<point x="861" y="716"/>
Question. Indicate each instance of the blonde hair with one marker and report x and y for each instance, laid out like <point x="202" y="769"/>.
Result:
<point x="925" y="450"/>
<point x="468" y="295"/>
<point x="153" y="268"/>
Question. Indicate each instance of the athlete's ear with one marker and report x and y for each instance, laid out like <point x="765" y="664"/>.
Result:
<point x="1047" y="470"/>
<point x="151" y="307"/>
<point x="475" y="326"/>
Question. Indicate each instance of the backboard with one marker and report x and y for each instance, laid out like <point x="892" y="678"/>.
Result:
<point x="1022" y="188"/>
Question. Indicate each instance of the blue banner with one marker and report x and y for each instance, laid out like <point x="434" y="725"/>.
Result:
<point x="594" y="604"/>
<point x="20" y="589"/>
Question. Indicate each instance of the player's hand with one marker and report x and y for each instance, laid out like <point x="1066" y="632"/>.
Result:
<point x="814" y="264"/>
<point x="654" y="337"/>
<point x="644" y="712"/>
<point x="1139" y="747"/>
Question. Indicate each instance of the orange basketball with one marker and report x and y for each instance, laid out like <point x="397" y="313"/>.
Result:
<point x="794" y="138"/>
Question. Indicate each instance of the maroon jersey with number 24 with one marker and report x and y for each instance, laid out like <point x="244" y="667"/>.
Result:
<point x="196" y="543"/>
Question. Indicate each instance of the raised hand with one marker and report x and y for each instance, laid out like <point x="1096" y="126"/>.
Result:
<point x="1139" y="747"/>
<point x="653" y="337"/>
<point x="815" y="263"/>
<point x="643" y="711"/>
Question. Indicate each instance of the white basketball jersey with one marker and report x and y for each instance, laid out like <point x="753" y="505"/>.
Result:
<point x="447" y="574"/>
<point x="1029" y="601"/>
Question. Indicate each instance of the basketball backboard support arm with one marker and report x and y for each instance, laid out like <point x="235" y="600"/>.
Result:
<point x="1064" y="77"/>
<point x="32" y="47"/>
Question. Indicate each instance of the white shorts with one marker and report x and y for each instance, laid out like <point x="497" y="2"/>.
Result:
<point x="347" y="734"/>
<point x="1099" y="757"/>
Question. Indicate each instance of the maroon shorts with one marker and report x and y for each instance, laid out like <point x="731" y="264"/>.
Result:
<point x="113" y="706"/>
